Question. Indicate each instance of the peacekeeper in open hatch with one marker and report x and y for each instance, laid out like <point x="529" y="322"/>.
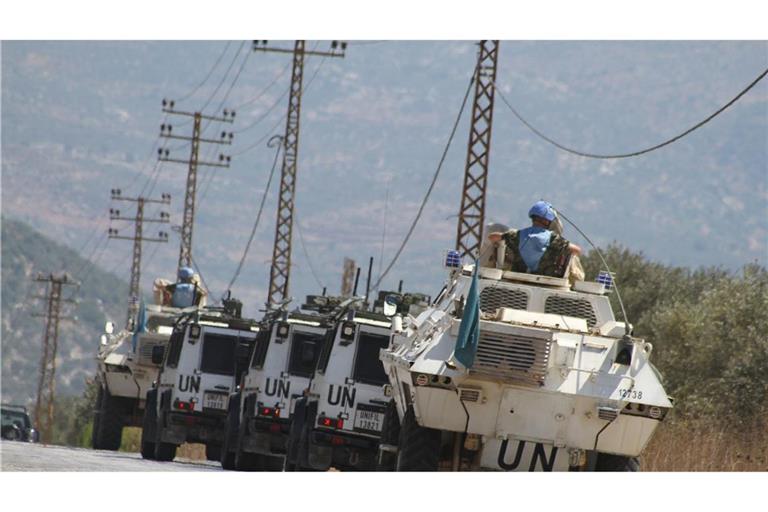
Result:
<point x="539" y="248"/>
<point x="185" y="292"/>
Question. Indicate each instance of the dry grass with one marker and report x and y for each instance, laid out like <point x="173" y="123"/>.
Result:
<point x="703" y="446"/>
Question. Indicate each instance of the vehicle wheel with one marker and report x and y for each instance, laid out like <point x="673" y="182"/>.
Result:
<point x="390" y="434"/>
<point x="419" y="447"/>
<point x="213" y="452"/>
<point x="293" y="445"/>
<point x="110" y="423"/>
<point x="164" y="452"/>
<point x="148" y="426"/>
<point x="97" y="417"/>
<point x="231" y="434"/>
<point x="608" y="462"/>
<point x="11" y="433"/>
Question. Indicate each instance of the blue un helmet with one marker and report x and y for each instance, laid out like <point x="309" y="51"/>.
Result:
<point x="186" y="273"/>
<point x="542" y="209"/>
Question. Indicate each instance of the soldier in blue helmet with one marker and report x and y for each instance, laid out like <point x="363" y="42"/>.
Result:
<point x="539" y="248"/>
<point x="185" y="292"/>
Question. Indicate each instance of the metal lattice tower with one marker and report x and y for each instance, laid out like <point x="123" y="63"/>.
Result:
<point x="138" y="238"/>
<point x="469" y="232"/>
<point x="280" y="271"/>
<point x="188" y="221"/>
<point x="348" y="278"/>
<point x="46" y="385"/>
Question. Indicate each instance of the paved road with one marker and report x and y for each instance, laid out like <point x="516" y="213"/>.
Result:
<point x="17" y="456"/>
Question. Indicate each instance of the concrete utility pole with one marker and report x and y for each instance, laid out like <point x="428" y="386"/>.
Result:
<point x="46" y="385"/>
<point x="348" y="277"/>
<point x="138" y="237"/>
<point x="166" y="131"/>
<point x="469" y="232"/>
<point x="279" y="274"/>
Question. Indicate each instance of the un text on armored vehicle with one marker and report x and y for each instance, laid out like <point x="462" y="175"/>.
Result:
<point x="208" y="350"/>
<point x="540" y="376"/>
<point x="283" y="362"/>
<point x="338" y="423"/>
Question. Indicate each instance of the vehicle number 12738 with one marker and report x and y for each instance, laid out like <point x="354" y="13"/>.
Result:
<point x="631" y="393"/>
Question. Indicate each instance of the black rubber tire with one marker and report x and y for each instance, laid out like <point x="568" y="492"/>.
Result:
<point x="418" y="447"/>
<point x="11" y="433"/>
<point x="213" y="452"/>
<point x="295" y="435"/>
<point x="109" y="434"/>
<point x="608" y="462"/>
<point x="245" y="461"/>
<point x="148" y="426"/>
<point x="164" y="452"/>
<point x="231" y="434"/>
<point x="390" y="435"/>
<point x="96" y="417"/>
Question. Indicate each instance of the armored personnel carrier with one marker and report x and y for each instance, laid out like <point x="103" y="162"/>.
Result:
<point x="125" y="373"/>
<point x="514" y="371"/>
<point x="208" y="351"/>
<point x="338" y="422"/>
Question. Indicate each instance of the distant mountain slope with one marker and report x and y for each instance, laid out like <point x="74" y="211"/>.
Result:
<point x="25" y="252"/>
<point x="81" y="117"/>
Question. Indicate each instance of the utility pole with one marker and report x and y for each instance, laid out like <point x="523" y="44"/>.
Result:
<point x="46" y="385"/>
<point x="138" y="237"/>
<point x="469" y="232"/>
<point x="348" y="277"/>
<point x="279" y="274"/>
<point x="166" y="131"/>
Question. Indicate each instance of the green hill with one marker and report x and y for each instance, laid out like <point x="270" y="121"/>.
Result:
<point x="102" y="297"/>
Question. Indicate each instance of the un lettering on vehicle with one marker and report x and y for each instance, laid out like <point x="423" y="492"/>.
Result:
<point x="519" y="455"/>
<point x="277" y="387"/>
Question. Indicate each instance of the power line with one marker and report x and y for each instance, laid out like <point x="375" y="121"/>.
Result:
<point x="634" y="153"/>
<point x="210" y="72"/>
<point x="275" y="139"/>
<point x="265" y="89"/>
<point x="223" y="78"/>
<point x="282" y="118"/>
<point x="306" y="254"/>
<point x="431" y="186"/>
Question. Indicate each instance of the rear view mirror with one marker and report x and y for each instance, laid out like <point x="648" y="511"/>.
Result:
<point x="109" y="327"/>
<point x="242" y="351"/>
<point x="158" y="351"/>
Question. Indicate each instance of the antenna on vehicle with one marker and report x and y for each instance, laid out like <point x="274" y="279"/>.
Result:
<point x="357" y="278"/>
<point x="368" y="282"/>
<point x="600" y="254"/>
<point x="400" y="287"/>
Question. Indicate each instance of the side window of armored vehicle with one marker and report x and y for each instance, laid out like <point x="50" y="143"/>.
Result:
<point x="305" y="351"/>
<point x="218" y="354"/>
<point x="260" y="350"/>
<point x="368" y="367"/>
<point x="325" y="355"/>
<point x="174" y="348"/>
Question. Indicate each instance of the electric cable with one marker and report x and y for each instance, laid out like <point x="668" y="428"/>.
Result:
<point x="223" y="78"/>
<point x="210" y="72"/>
<point x="431" y="185"/>
<point x="265" y="89"/>
<point x="276" y="139"/>
<point x="633" y="153"/>
<point x="306" y="253"/>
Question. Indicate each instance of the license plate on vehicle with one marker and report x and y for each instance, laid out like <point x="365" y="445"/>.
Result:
<point x="368" y="420"/>
<point x="214" y="401"/>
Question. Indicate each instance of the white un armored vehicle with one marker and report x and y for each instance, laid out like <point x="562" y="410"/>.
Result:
<point x="125" y="374"/>
<point x="556" y="382"/>
<point x="338" y="423"/>
<point x="283" y="362"/>
<point x="208" y="350"/>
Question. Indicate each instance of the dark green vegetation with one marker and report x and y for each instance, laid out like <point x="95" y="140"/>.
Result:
<point x="25" y="252"/>
<point x="709" y="329"/>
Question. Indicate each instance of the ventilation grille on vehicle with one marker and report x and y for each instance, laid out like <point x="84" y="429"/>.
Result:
<point x="493" y="298"/>
<point x="469" y="394"/>
<point x="579" y="308"/>
<point x="512" y="357"/>
<point x="145" y="351"/>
